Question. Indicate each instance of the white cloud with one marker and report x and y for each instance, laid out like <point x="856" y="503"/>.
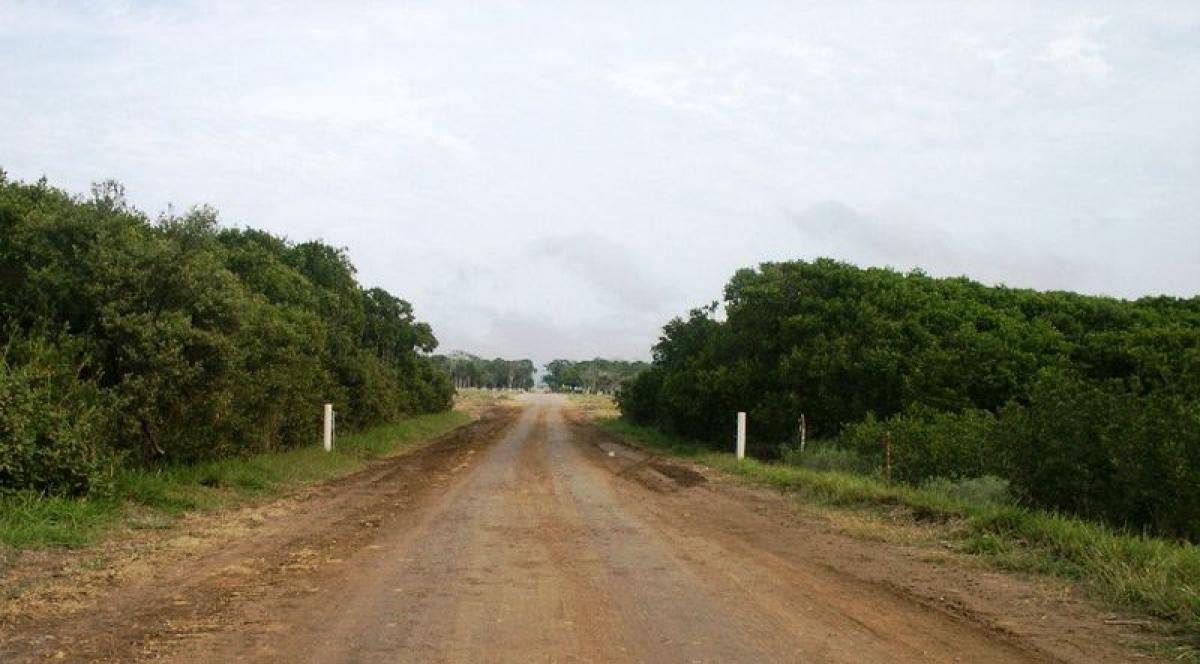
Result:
<point x="905" y="243"/>
<point x="543" y="178"/>
<point x="365" y="104"/>
<point x="1076" y="50"/>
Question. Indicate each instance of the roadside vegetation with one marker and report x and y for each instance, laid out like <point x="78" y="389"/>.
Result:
<point x="1080" y="405"/>
<point x="978" y="516"/>
<point x="133" y="346"/>
<point x="153" y="497"/>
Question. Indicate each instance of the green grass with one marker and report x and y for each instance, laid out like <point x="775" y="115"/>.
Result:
<point x="150" y="498"/>
<point x="1149" y="575"/>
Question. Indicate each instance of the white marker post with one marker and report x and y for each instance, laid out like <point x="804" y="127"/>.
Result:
<point x="328" y="427"/>
<point x="741" y="441"/>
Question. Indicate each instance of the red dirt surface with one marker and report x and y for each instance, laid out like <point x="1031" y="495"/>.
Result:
<point x="532" y="536"/>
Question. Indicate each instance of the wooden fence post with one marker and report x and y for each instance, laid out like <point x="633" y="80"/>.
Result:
<point x="803" y="432"/>
<point x="887" y="456"/>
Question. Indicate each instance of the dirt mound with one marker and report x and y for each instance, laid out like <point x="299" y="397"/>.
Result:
<point x="681" y="475"/>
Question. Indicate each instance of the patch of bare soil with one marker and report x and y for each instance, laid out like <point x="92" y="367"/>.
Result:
<point x="142" y="592"/>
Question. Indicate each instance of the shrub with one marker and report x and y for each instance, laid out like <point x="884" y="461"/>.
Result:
<point x="927" y="444"/>
<point x="54" y="425"/>
<point x="1107" y="451"/>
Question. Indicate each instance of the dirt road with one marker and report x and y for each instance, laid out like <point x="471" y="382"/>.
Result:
<point x="530" y="537"/>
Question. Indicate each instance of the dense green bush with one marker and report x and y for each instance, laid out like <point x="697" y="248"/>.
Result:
<point x="1085" y="404"/>
<point x="1105" y="450"/>
<point x="214" y="341"/>
<point x="638" y="400"/>
<point x="927" y="444"/>
<point x="1096" y="449"/>
<point x="54" y="426"/>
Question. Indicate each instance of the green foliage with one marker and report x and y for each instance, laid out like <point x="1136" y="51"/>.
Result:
<point x="829" y="457"/>
<point x="1084" y="404"/>
<point x="986" y="490"/>
<point x="30" y="519"/>
<point x="1104" y="450"/>
<point x="928" y="444"/>
<point x="213" y="342"/>
<point x="466" y="370"/>
<point x="597" y="376"/>
<point x="53" y="424"/>
<point x="1096" y="449"/>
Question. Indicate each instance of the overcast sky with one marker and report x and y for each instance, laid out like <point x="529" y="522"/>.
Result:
<point x="558" y="179"/>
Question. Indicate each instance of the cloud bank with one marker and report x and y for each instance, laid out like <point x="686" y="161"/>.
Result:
<point x="559" y="180"/>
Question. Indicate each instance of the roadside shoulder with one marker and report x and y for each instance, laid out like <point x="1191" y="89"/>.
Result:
<point x="919" y="559"/>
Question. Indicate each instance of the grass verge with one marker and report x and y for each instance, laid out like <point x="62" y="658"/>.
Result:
<point x="1149" y="575"/>
<point x="594" y="406"/>
<point x="152" y="498"/>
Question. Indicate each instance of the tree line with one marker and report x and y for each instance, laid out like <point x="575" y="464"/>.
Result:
<point x="126" y="339"/>
<point x="1089" y="405"/>
<point x="596" y="376"/>
<point x="466" y="370"/>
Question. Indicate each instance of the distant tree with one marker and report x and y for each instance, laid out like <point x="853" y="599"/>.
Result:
<point x="466" y="370"/>
<point x="598" y="375"/>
